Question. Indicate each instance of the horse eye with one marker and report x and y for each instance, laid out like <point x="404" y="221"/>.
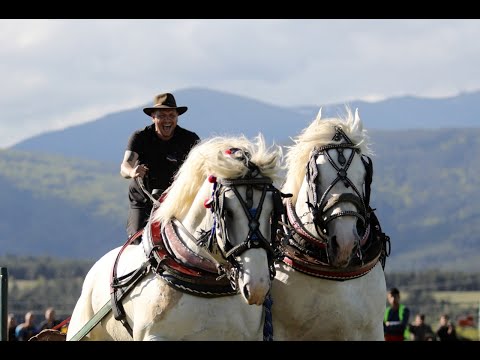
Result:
<point x="228" y="213"/>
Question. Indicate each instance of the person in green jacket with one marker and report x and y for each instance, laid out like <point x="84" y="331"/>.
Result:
<point x="395" y="320"/>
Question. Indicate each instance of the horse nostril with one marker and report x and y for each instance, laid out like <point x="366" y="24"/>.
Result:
<point x="246" y="293"/>
<point x="360" y="228"/>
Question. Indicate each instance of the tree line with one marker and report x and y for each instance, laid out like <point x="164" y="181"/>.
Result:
<point x="38" y="282"/>
<point x="51" y="268"/>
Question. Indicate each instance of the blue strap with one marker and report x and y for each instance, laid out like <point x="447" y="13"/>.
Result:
<point x="267" y="324"/>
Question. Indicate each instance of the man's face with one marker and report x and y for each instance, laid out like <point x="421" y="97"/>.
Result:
<point x="165" y="121"/>
<point x="393" y="299"/>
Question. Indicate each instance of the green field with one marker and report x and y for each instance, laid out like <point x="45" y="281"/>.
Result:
<point x="455" y="303"/>
<point x="458" y="297"/>
<point x="468" y="333"/>
<point x="22" y="285"/>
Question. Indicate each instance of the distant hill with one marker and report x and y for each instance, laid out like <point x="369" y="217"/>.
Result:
<point x="412" y="112"/>
<point x="209" y="113"/>
<point x="62" y="194"/>
<point x="219" y="113"/>
<point x="426" y="190"/>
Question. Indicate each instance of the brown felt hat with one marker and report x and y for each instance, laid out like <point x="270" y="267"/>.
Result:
<point x="164" y="101"/>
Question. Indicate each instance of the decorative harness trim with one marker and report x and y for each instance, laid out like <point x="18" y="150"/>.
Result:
<point x="310" y="263"/>
<point x="199" y="278"/>
<point x="297" y="224"/>
<point x="179" y="248"/>
<point x="328" y="272"/>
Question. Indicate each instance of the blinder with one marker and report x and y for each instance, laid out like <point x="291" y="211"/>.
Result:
<point x="255" y="238"/>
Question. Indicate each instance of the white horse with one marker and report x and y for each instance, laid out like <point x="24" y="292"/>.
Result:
<point x="205" y="263"/>
<point x="330" y="284"/>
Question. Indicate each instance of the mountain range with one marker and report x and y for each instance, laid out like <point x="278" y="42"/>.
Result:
<point x="218" y="113"/>
<point x="62" y="194"/>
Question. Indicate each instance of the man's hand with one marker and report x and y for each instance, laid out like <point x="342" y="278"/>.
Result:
<point x="139" y="171"/>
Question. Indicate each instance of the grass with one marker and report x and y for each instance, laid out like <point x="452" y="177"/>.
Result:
<point x="462" y="299"/>
<point x="455" y="303"/>
<point x="457" y="297"/>
<point x="468" y="333"/>
<point x="22" y="285"/>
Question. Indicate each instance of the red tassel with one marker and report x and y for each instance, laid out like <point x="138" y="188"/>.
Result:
<point x="208" y="203"/>
<point x="212" y="179"/>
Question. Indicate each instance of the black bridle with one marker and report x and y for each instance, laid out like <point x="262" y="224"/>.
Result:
<point x="255" y="238"/>
<point x="320" y="207"/>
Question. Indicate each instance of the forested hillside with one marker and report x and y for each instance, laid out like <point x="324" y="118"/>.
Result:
<point x="62" y="207"/>
<point x="425" y="188"/>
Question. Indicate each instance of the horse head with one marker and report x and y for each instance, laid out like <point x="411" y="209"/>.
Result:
<point x="329" y="174"/>
<point x="224" y="195"/>
<point x="329" y="252"/>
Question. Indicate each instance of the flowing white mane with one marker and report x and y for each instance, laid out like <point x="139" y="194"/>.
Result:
<point x="208" y="158"/>
<point x="320" y="132"/>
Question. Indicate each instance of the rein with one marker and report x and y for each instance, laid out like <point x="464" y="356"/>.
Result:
<point x="140" y="183"/>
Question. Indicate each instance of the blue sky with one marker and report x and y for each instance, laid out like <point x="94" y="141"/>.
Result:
<point x="57" y="73"/>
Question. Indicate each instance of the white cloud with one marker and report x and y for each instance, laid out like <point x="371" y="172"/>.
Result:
<point x="56" y="73"/>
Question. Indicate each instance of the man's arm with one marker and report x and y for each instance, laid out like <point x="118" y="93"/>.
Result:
<point x="128" y="169"/>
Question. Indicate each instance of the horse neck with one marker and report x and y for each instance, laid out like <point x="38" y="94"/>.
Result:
<point x="196" y="220"/>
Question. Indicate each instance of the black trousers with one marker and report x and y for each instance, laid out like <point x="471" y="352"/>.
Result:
<point x="137" y="219"/>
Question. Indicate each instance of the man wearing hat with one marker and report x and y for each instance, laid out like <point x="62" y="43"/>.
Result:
<point x="152" y="157"/>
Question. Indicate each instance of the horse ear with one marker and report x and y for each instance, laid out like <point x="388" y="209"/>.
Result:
<point x="319" y="115"/>
<point x="357" y="120"/>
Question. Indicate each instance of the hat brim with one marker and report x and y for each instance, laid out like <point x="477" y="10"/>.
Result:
<point x="180" y="109"/>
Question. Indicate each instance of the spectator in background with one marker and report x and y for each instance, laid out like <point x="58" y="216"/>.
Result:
<point x="11" y="325"/>
<point x="395" y="320"/>
<point x="446" y="331"/>
<point x="27" y="329"/>
<point x="50" y="322"/>
<point x="419" y="330"/>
